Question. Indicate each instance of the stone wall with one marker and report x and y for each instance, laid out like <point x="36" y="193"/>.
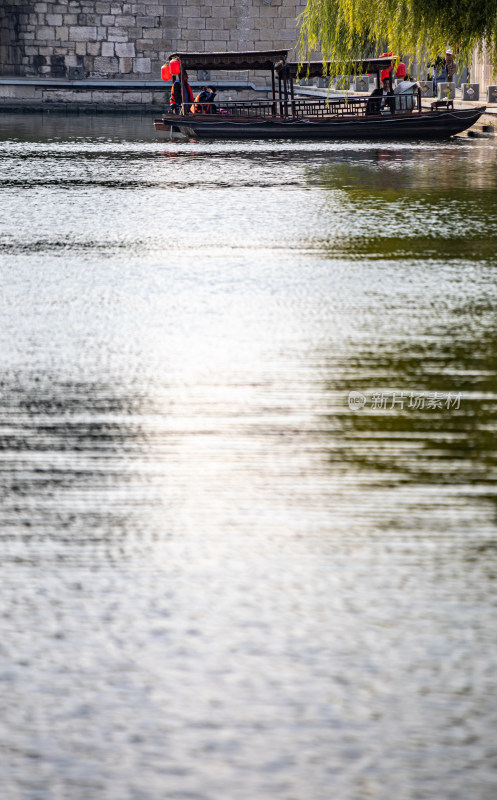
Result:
<point x="104" y="39"/>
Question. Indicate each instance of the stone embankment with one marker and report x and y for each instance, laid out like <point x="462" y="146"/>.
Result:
<point x="94" y="96"/>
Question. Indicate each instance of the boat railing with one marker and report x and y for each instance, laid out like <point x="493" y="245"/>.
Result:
<point x="310" y="107"/>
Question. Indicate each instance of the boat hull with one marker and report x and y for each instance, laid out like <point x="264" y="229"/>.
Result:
<point x="438" y="124"/>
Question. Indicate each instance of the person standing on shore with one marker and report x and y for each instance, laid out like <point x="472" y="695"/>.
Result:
<point x="450" y="65"/>
<point x="444" y="69"/>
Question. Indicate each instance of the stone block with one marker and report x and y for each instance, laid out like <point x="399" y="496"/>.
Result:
<point x="105" y="65"/>
<point x="125" y="49"/>
<point x="54" y="19"/>
<point x="124" y="21"/>
<point x="125" y="65"/>
<point x="79" y="96"/>
<point x="93" y="48"/>
<point x="361" y="83"/>
<point x="41" y="8"/>
<point x="80" y="48"/>
<point x="8" y="91"/>
<point x="426" y="88"/>
<point x="470" y="91"/>
<point x="117" y="35"/>
<point x="76" y="73"/>
<point x="191" y="12"/>
<point x="341" y="82"/>
<point x="108" y="49"/>
<point x="82" y="33"/>
<point x="107" y="97"/>
<point x="132" y="97"/>
<point x="142" y="65"/>
<point x="62" y="33"/>
<point x="220" y="12"/>
<point x="45" y="34"/>
<point x="70" y="19"/>
<point x="446" y="90"/>
<point x="261" y="24"/>
<point x="108" y="19"/>
<point x="269" y="12"/>
<point x="492" y="94"/>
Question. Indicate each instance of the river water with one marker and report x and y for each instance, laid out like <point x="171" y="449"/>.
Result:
<point x="219" y="580"/>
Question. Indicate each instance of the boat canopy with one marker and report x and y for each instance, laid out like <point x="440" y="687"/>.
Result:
<point x="252" y="59"/>
<point x="316" y="69"/>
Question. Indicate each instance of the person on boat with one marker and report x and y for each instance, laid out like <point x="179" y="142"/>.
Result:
<point x="204" y="102"/>
<point x="381" y="98"/>
<point x="176" y="97"/>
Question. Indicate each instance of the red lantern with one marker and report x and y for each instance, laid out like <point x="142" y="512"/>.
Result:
<point x="175" y="66"/>
<point x="165" y="72"/>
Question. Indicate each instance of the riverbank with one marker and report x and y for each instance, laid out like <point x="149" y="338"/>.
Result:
<point x="138" y="97"/>
<point x="103" y="96"/>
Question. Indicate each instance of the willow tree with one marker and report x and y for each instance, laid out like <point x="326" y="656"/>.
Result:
<point x="341" y="30"/>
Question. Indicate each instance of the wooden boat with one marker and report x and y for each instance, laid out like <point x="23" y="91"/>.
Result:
<point x="285" y="116"/>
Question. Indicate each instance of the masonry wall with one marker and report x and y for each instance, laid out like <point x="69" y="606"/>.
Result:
<point x="131" y="40"/>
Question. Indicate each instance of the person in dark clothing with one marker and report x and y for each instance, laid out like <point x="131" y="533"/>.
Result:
<point x="381" y="98"/>
<point x="444" y="69"/>
<point x="204" y="102"/>
<point x="176" y="98"/>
